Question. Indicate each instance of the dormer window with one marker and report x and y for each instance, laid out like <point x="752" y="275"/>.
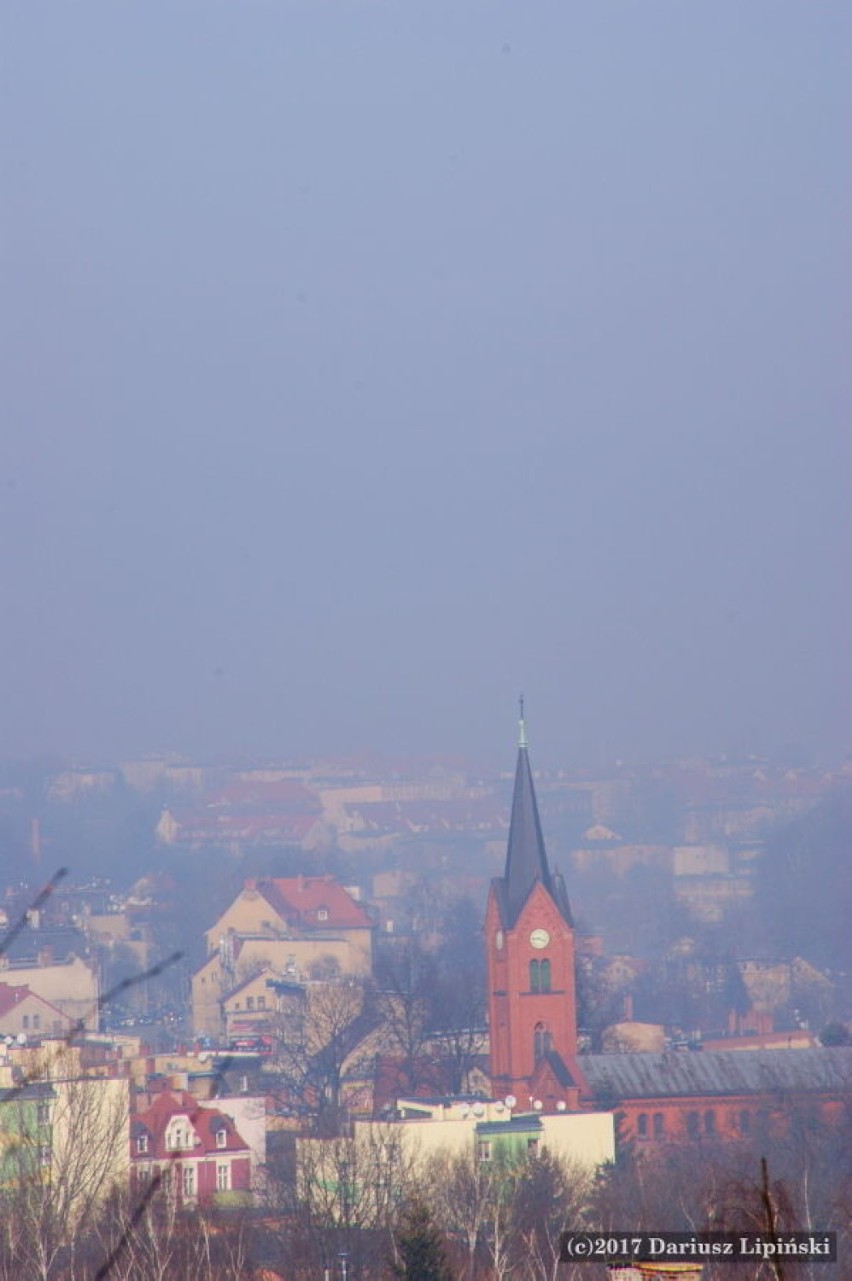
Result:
<point x="179" y="1137"/>
<point x="322" y="913"/>
<point x="221" y="1138"/>
<point x="142" y="1144"/>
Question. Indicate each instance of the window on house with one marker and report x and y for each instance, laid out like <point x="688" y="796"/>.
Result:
<point x="189" y="1180"/>
<point x="142" y="1143"/>
<point x="26" y="1020"/>
<point x="180" y="1139"/>
<point x="250" y="1003"/>
<point x="43" y="1113"/>
<point x="642" y="1125"/>
<point x="659" y="1125"/>
<point x="322" y="913"/>
<point x="532" y="1147"/>
<point x="36" y="1022"/>
<point x="261" y="1002"/>
<point x="692" y="1120"/>
<point x="223" y="1178"/>
<point x="545" y="976"/>
<point x="221" y="1138"/>
<point x="483" y="1150"/>
<point x="709" y="1122"/>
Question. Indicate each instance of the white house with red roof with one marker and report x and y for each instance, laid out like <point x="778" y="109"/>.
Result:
<point x="197" y="1149"/>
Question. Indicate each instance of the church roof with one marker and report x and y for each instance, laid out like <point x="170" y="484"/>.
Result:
<point x="723" y="1072"/>
<point x="526" y="857"/>
<point x="561" y="1070"/>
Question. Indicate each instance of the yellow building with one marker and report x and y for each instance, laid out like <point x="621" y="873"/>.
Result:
<point x="72" y="986"/>
<point x="299" y="928"/>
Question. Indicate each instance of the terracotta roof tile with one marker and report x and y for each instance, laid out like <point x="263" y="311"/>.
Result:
<point x="301" y="900"/>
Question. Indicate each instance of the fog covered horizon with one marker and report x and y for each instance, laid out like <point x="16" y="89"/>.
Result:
<point x="366" y="367"/>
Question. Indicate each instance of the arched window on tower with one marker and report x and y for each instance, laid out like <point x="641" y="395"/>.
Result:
<point x="535" y="977"/>
<point x="542" y="1041"/>
<point x="545" y="976"/>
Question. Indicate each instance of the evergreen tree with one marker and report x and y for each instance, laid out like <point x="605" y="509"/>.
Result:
<point x="420" y="1247"/>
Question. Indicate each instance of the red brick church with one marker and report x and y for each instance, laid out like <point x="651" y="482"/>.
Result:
<point x="532" y="1016"/>
<point x="532" y="1008"/>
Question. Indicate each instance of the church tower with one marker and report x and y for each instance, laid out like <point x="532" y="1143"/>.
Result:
<point x="529" y="935"/>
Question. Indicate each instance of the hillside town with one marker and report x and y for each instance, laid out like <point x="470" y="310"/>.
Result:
<point x="412" y="978"/>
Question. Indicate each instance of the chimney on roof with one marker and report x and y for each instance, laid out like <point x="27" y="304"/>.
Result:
<point x="250" y="883"/>
<point x="35" y="840"/>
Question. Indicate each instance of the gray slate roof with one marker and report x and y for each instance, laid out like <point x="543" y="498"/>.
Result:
<point x="718" y="1072"/>
<point x="526" y="857"/>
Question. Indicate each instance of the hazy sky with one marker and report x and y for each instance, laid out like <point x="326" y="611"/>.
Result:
<point x="364" y="364"/>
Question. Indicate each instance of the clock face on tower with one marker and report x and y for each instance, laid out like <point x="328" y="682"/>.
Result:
<point x="539" y="938"/>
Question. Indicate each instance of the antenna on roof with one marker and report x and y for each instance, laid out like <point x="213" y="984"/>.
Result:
<point x="522" y="729"/>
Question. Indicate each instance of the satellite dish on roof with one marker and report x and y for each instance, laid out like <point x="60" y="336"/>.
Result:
<point x="21" y="1038"/>
<point x="203" y="1056"/>
<point x="478" y="1109"/>
<point x="561" y="1105"/>
<point x="9" y="1040"/>
<point x="510" y="1101"/>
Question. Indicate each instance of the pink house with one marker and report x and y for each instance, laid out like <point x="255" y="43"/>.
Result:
<point x="197" y="1149"/>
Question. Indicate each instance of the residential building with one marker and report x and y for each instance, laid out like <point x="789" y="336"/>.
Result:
<point x="296" y="928"/>
<point x="72" y="986"/>
<point x="25" y="1014"/>
<point x="196" y="1150"/>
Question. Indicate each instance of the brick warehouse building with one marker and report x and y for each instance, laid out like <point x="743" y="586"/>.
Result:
<point x="530" y="949"/>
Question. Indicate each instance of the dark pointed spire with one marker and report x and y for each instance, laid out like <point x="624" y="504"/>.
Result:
<point x="526" y="857"/>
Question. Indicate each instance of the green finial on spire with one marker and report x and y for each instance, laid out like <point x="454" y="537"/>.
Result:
<point x="522" y="729"/>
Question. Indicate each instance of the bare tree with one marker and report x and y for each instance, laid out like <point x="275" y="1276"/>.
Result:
<point x="148" y="1237"/>
<point x="316" y="1028"/>
<point x="550" y="1197"/>
<point x="66" y="1147"/>
<point x="349" y="1192"/>
<point x="406" y="979"/>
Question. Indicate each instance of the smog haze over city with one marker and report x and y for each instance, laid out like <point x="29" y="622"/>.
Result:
<point x="365" y="365"/>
